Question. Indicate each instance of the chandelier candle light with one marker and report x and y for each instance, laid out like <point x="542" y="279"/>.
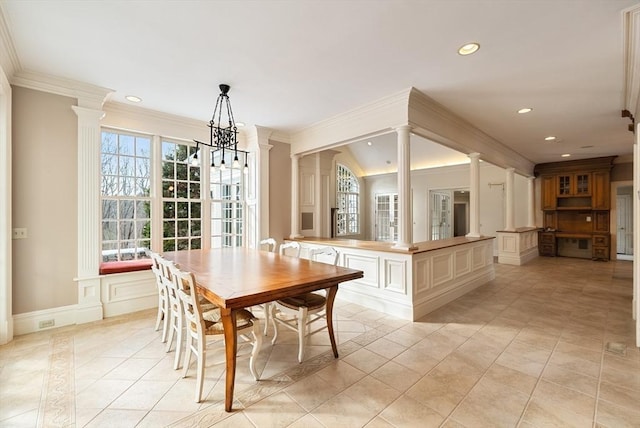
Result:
<point x="222" y="136"/>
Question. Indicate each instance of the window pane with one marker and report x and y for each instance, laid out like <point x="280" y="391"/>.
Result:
<point x="168" y="210"/>
<point x="109" y="209"/>
<point x="169" y="229"/>
<point x="195" y="228"/>
<point x="125" y="144"/>
<point x="183" y="210"/>
<point x="182" y="190"/>
<point x="143" y="147"/>
<point x="168" y="170"/>
<point x="109" y="230"/>
<point x="127" y="208"/>
<point x="181" y="171"/>
<point x="168" y="189"/>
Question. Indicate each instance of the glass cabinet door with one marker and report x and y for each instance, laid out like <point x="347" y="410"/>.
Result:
<point x="564" y="185"/>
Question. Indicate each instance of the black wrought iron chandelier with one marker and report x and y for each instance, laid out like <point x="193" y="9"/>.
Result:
<point x="223" y="135"/>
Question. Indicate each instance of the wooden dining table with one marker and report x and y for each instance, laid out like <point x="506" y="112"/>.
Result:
<point x="237" y="278"/>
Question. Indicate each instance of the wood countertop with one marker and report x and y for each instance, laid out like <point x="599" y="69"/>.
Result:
<point x="388" y="246"/>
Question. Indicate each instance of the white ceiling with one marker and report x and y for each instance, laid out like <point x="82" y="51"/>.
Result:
<point x="293" y="63"/>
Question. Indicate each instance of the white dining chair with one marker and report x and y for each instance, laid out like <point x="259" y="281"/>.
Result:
<point x="291" y="248"/>
<point x="270" y="244"/>
<point x="163" y="298"/>
<point x="303" y="310"/>
<point x="200" y="326"/>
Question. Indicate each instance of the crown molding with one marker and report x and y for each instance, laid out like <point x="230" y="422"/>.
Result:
<point x="370" y="119"/>
<point x="88" y="96"/>
<point x="9" y="60"/>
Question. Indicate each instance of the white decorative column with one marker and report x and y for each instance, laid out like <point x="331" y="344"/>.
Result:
<point x="295" y="197"/>
<point x="6" y="308"/>
<point x="636" y="234"/>
<point x="474" y="196"/>
<point x="89" y="306"/>
<point x="405" y="216"/>
<point x="258" y="185"/>
<point x="510" y="201"/>
<point x="531" y="198"/>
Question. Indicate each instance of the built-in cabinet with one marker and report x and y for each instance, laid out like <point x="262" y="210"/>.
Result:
<point x="575" y="199"/>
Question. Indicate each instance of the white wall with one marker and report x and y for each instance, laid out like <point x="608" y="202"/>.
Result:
<point x="492" y="213"/>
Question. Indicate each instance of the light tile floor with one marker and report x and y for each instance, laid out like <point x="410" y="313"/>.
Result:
<point x="550" y="343"/>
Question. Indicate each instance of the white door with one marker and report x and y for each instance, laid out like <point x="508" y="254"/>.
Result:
<point x="441" y="214"/>
<point x="387" y="217"/>
<point x="624" y="222"/>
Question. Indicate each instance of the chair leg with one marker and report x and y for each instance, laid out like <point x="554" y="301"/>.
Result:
<point x="160" y="312"/>
<point x="257" y="344"/>
<point x="302" y="330"/>
<point x="171" y="331"/>
<point x="179" y="340"/>
<point x="200" y="373"/>
<point x="165" y="322"/>
<point x="267" y="309"/>
<point x="187" y="355"/>
<point x="275" y="326"/>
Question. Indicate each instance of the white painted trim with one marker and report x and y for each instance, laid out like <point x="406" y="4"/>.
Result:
<point x="6" y="320"/>
<point x="402" y="310"/>
<point x="88" y="96"/>
<point x="28" y="322"/>
<point x="430" y="304"/>
<point x="123" y="293"/>
<point x="9" y="60"/>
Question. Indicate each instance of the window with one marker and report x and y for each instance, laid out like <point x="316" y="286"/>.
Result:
<point x="181" y="204"/>
<point x="125" y="163"/>
<point x="227" y="202"/>
<point x="347" y="197"/>
<point x="193" y="207"/>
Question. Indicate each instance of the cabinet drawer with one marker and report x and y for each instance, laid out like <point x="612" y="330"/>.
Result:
<point x="547" y="250"/>
<point x="600" y="240"/>
<point x="547" y="238"/>
<point x="601" y="253"/>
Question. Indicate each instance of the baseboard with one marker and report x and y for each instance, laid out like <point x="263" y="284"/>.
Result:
<point x="430" y="304"/>
<point x="519" y="260"/>
<point x="395" y="309"/>
<point x="46" y="319"/>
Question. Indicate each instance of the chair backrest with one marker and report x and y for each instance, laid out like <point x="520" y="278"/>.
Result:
<point x="291" y="248"/>
<point x="168" y="270"/>
<point x="270" y="242"/>
<point x="185" y="285"/>
<point x="327" y="255"/>
<point x="156" y="268"/>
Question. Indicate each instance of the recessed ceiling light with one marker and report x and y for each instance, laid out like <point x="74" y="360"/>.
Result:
<point x="469" y="48"/>
<point x="369" y="143"/>
<point x="525" y="110"/>
<point x="549" y="138"/>
<point x="133" y="98"/>
<point x="566" y="155"/>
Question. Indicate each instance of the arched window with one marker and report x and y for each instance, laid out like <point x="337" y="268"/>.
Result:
<point x="347" y="202"/>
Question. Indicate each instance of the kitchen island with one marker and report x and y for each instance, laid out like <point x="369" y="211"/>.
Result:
<point x="410" y="283"/>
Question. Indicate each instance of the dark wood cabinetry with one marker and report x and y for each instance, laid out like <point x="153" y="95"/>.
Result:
<point x="575" y="199"/>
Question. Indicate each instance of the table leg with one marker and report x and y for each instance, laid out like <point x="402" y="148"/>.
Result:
<point x="231" y="347"/>
<point x="331" y="295"/>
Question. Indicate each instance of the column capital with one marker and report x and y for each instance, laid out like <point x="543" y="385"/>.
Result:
<point x="474" y="155"/>
<point x="88" y="113"/>
<point x="403" y="128"/>
<point x="510" y="169"/>
<point x="531" y="178"/>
